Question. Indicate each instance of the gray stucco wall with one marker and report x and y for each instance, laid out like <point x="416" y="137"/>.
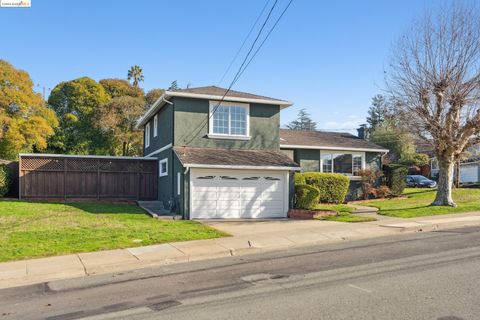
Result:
<point x="191" y="126"/>
<point x="164" y="130"/>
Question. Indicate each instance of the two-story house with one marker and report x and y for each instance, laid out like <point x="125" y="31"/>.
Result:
<point x="219" y="155"/>
<point x="225" y="156"/>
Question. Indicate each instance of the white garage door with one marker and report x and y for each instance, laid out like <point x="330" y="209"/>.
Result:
<point x="234" y="194"/>
<point x="469" y="173"/>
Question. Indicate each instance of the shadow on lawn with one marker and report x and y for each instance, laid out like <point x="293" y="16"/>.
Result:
<point x="106" y="208"/>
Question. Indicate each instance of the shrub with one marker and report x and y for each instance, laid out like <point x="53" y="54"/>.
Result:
<point x="396" y="175"/>
<point x="307" y="196"/>
<point x="369" y="181"/>
<point x="333" y="187"/>
<point x="299" y="178"/>
<point x="5" y="179"/>
<point x="382" y="191"/>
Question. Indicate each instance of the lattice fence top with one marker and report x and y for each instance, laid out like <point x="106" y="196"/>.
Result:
<point x="46" y="164"/>
<point x="40" y="163"/>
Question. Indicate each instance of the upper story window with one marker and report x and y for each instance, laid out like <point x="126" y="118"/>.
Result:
<point x="229" y="119"/>
<point x="147" y="135"/>
<point x="155" y="125"/>
<point x="344" y="163"/>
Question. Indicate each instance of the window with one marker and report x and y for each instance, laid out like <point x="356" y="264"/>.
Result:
<point x="229" y="119"/>
<point x="155" y="125"/>
<point x="179" y="184"/>
<point x="344" y="163"/>
<point x="163" y="167"/>
<point x="326" y="162"/>
<point x="357" y="164"/>
<point x="147" y="135"/>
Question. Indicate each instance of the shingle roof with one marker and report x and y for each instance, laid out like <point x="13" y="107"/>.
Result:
<point x="217" y="91"/>
<point x="325" y="139"/>
<point x="233" y="157"/>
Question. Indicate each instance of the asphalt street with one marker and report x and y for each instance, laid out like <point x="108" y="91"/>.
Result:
<point x="433" y="275"/>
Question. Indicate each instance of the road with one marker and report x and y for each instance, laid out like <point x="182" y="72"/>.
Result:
<point x="432" y="275"/>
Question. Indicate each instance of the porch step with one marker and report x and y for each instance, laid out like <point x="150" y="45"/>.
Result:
<point x="157" y="210"/>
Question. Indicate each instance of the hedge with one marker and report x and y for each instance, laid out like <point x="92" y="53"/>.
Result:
<point x="5" y="179"/>
<point x="307" y="197"/>
<point x="333" y="187"/>
<point x="299" y="178"/>
<point x="395" y="176"/>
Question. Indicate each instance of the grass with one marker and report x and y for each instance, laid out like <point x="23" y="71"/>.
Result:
<point x="33" y="229"/>
<point x="418" y="203"/>
<point x="344" y="213"/>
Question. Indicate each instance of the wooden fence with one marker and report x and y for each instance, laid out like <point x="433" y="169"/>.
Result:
<point x="87" y="177"/>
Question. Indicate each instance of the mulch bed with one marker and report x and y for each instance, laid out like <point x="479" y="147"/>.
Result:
<point x="309" y="214"/>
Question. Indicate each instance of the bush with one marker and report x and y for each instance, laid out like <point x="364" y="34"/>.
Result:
<point x="369" y="181"/>
<point x="382" y="191"/>
<point x="396" y="175"/>
<point x="333" y="187"/>
<point x="5" y="179"/>
<point x="307" y="197"/>
<point x="299" y="178"/>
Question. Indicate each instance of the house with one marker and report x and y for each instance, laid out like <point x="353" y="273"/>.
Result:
<point x="223" y="155"/>
<point x="335" y="152"/>
<point x="222" y="164"/>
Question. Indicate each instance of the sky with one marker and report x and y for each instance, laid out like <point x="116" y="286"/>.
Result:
<point x="326" y="56"/>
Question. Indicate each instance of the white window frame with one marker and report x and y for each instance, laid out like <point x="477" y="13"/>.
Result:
<point x="160" y="173"/>
<point x="147" y="135"/>
<point x="351" y="176"/>
<point x="179" y="184"/>
<point x="155" y="125"/>
<point x="216" y="104"/>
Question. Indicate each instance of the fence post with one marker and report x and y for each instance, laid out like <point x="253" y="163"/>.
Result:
<point x="98" y="179"/>
<point x="138" y="180"/>
<point x="20" y="177"/>
<point x="65" y="179"/>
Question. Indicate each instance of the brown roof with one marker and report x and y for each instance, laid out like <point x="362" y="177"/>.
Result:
<point x="233" y="157"/>
<point x="217" y="91"/>
<point x="325" y="139"/>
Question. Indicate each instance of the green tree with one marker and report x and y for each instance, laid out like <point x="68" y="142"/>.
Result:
<point x="25" y="120"/>
<point x="119" y="87"/>
<point x="174" y="85"/>
<point x="303" y="122"/>
<point x="378" y="111"/>
<point x="153" y="96"/>
<point x="400" y="143"/>
<point x="76" y="103"/>
<point x="136" y="74"/>
<point x="117" y="119"/>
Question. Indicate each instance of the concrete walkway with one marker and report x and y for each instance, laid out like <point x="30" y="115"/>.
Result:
<point x="247" y="237"/>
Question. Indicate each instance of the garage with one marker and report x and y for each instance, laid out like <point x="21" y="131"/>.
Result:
<point x="469" y="173"/>
<point x="238" y="194"/>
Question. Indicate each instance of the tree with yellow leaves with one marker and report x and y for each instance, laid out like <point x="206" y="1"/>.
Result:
<point x="25" y="120"/>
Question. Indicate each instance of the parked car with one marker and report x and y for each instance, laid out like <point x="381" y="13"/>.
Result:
<point x="418" y="181"/>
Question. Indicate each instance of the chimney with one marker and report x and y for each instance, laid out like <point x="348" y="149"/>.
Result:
<point x="363" y="132"/>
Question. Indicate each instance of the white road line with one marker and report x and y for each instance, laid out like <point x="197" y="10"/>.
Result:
<point x="359" y="288"/>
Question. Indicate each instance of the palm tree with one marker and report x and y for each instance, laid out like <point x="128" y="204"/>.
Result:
<point x="135" y="73"/>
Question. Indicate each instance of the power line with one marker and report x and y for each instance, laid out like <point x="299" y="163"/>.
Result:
<point x="244" y="41"/>
<point x="237" y="75"/>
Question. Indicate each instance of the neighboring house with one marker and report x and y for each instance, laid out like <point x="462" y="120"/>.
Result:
<point x="224" y="160"/>
<point x="222" y="164"/>
<point x="335" y="152"/>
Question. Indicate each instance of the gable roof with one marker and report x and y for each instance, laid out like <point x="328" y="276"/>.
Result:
<point x="210" y="93"/>
<point x="234" y="158"/>
<point x="297" y="139"/>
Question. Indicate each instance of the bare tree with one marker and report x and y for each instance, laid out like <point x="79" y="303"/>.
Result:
<point x="435" y="77"/>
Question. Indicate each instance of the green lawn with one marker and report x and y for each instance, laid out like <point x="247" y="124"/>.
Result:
<point x="418" y="203"/>
<point x="33" y="229"/>
<point x="344" y="213"/>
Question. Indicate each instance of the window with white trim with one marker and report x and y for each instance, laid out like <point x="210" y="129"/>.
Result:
<point x="229" y="119"/>
<point x="179" y="183"/>
<point x="163" y="167"/>
<point x="147" y="135"/>
<point x="345" y="163"/>
<point x="155" y="125"/>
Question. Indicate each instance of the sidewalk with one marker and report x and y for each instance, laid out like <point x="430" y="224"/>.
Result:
<point x="247" y="237"/>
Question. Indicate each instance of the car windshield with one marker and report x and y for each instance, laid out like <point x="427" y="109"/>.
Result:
<point x="420" y="178"/>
